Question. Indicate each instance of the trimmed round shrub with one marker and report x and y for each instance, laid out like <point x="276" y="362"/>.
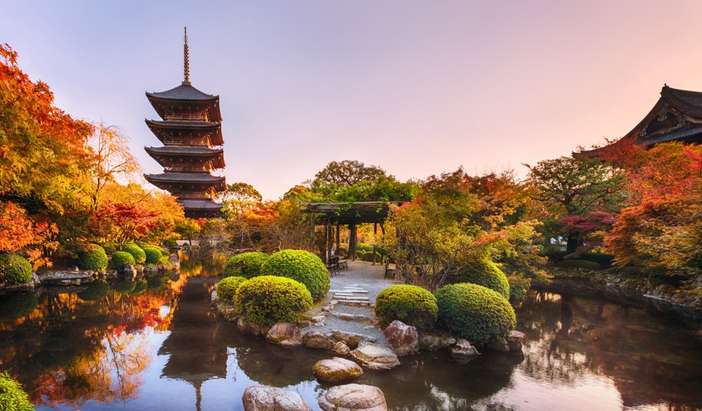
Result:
<point x="474" y="312"/>
<point x="245" y="265"/>
<point x="586" y="264"/>
<point x="226" y="288"/>
<point x="268" y="299"/>
<point x="93" y="257"/>
<point x="15" y="269"/>
<point x="302" y="266"/>
<point x="136" y="252"/>
<point x="408" y="303"/>
<point x="12" y="396"/>
<point x="153" y="254"/>
<point x="122" y="259"/>
<point x="486" y="273"/>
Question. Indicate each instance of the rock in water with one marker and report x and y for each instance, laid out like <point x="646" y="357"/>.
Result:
<point x="353" y="397"/>
<point x="433" y="342"/>
<point x="340" y="348"/>
<point x="515" y="339"/>
<point x="318" y="340"/>
<point x="264" y="398"/>
<point x="285" y="334"/>
<point x="246" y="327"/>
<point x="336" y="370"/>
<point x="463" y="350"/>
<point x="403" y="338"/>
<point x="375" y="357"/>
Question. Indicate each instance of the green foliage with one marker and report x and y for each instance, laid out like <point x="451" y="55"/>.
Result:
<point x="474" y="312"/>
<point x="486" y="273"/>
<point x="226" y="288"/>
<point x="519" y="285"/>
<point x="14" y="269"/>
<point x="165" y="262"/>
<point x="12" y="396"/>
<point x="122" y="259"/>
<point x="93" y="257"/>
<point x="136" y="252"/>
<point x="408" y="303"/>
<point x="266" y="300"/>
<point x="245" y="264"/>
<point x="302" y="266"/>
<point x="586" y="264"/>
<point x="153" y="254"/>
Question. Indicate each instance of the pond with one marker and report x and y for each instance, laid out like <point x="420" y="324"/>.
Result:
<point x="155" y="345"/>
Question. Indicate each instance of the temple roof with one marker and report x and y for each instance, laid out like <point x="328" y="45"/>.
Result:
<point x="182" y="92"/>
<point x="212" y="127"/>
<point x="178" y="177"/>
<point x="199" y="204"/>
<point x="164" y="154"/>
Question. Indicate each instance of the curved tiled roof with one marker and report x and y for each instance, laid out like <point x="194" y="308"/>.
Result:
<point x="182" y="92"/>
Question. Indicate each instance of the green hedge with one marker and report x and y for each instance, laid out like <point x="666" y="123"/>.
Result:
<point x="122" y="259"/>
<point x="268" y="299"/>
<point x="226" y="288"/>
<point x="474" y="312"/>
<point x="153" y="254"/>
<point x="408" y="303"/>
<point x="486" y="273"/>
<point x="12" y="396"/>
<point x="136" y="252"/>
<point x="93" y="257"/>
<point x="302" y="266"/>
<point x="586" y="264"/>
<point x="245" y="264"/>
<point x="15" y="269"/>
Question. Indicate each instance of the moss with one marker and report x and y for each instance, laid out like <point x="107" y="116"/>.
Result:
<point x="93" y="257"/>
<point x="226" y="288"/>
<point x="12" y="396"/>
<point x="136" y="252"/>
<point x="267" y="299"/>
<point x="301" y="266"/>
<point x="408" y="303"/>
<point x="474" y="312"/>
<point x="486" y="273"/>
<point x="153" y="254"/>
<point x="14" y="269"/>
<point x="586" y="264"/>
<point x="245" y="265"/>
<point x="122" y="259"/>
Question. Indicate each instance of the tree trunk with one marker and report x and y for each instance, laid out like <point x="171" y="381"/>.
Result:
<point x="352" y="241"/>
<point x="573" y="242"/>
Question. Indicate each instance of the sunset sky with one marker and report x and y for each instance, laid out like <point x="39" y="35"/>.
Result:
<point x="417" y="87"/>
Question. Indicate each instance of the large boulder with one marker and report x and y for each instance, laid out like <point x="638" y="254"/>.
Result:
<point x="403" y="338"/>
<point x="375" y="357"/>
<point x="285" y="334"/>
<point x="353" y="397"/>
<point x="318" y="340"/>
<point x="336" y="370"/>
<point x="351" y="339"/>
<point x="246" y="327"/>
<point x="264" y="398"/>
<point x="340" y="348"/>
<point x="463" y="350"/>
<point x="435" y="341"/>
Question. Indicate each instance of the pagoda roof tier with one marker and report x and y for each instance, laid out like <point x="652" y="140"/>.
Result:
<point x="200" y="208"/>
<point x="162" y="129"/>
<point x="181" y="181"/>
<point x="164" y="154"/>
<point x="185" y="95"/>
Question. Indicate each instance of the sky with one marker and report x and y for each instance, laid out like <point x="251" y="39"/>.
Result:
<point x="416" y="87"/>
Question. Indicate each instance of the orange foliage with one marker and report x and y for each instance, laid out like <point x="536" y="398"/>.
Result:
<point x="18" y="233"/>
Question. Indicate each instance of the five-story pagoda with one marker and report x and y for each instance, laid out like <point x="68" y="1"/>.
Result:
<point x="191" y="133"/>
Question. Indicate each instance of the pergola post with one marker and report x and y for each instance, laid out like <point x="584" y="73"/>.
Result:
<point x="352" y="241"/>
<point x="338" y="238"/>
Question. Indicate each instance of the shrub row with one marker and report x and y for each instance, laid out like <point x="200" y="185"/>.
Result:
<point x="14" y="269"/>
<point x="408" y="303"/>
<point x="486" y="273"/>
<point x="245" y="265"/>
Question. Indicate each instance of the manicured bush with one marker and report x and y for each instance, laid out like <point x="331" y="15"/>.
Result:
<point x="136" y="252"/>
<point x="14" y="269"/>
<point x="586" y="264"/>
<point x="408" y="303"/>
<point x="486" y="273"/>
<point x="302" y="266"/>
<point x="268" y="299"/>
<point x="165" y="262"/>
<point x="122" y="259"/>
<point x="93" y="257"/>
<point x="519" y="285"/>
<point x="474" y="312"/>
<point x="153" y="254"/>
<point x="12" y="396"/>
<point x="245" y="265"/>
<point x="226" y="288"/>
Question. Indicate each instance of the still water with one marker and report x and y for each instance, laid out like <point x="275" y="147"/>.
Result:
<point x="155" y="345"/>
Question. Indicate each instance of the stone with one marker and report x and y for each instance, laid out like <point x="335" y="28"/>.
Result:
<point x="128" y="272"/>
<point x="498" y="344"/>
<point x="336" y="370"/>
<point x="353" y="397"/>
<point x="351" y="339"/>
<point x="318" y="340"/>
<point x="375" y="357"/>
<point x="318" y="319"/>
<point x="516" y="339"/>
<point x="435" y="341"/>
<point x="264" y="398"/>
<point x="340" y="348"/>
<point x="463" y="350"/>
<point x="403" y="338"/>
<point x="285" y="334"/>
<point x="213" y="297"/>
<point x="246" y="327"/>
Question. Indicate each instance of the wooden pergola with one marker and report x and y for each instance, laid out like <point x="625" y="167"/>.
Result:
<point x="334" y="215"/>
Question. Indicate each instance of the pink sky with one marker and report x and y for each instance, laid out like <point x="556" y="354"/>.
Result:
<point x="417" y="87"/>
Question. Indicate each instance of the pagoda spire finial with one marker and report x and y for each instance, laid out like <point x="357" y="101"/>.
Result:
<point x="186" y="58"/>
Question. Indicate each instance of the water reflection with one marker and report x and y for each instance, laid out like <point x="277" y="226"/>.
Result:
<point x="149" y="344"/>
